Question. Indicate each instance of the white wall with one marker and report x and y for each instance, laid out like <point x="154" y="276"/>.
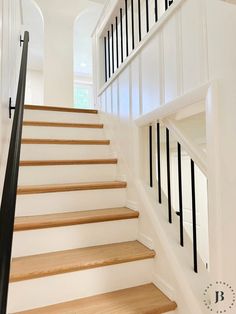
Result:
<point x="34" y="24"/>
<point x="10" y="54"/>
<point x="34" y="88"/>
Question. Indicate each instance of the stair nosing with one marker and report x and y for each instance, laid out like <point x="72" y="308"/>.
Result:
<point x="57" y="188"/>
<point x="63" y="124"/>
<point x="31" y="163"/>
<point x="60" y="109"/>
<point x="145" y="253"/>
<point x="25" y="223"/>
<point x="41" y="141"/>
<point x="159" y="302"/>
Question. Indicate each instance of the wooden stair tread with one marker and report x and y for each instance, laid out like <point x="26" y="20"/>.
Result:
<point x="145" y="299"/>
<point x="51" y="188"/>
<point x="63" y="141"/>
<point x="63" y="124"/>
<point x="73" y="218"/>
<point x="62" y="109"/>
<point x="25" y="163"/>
<point x="36" y="266"/>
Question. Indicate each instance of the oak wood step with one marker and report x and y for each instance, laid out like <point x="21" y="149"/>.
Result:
<point x="62" y="109"/>
<point x="64" y="142"/>
<point x="51" y="188"/>
<point x="73" y="218"/>
<point x="63" y="124"/>
<point x="111" y="161"/>
<point x="36" y="266"/>
<point x="145" y="299"/>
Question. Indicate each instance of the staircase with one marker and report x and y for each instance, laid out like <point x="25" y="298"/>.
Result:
<point x="75" y="247"/>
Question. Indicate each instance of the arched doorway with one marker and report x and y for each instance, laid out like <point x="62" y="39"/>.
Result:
<point x="83" y="67"/>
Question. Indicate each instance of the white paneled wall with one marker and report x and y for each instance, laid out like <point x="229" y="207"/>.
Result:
<point x="191" y="45"/>
<point x="170" y="61"/>
<point x="151" y="81"/>
<point x="10" y="54"/>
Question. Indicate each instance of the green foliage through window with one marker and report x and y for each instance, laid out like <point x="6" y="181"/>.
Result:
<point x="82" y="96"/>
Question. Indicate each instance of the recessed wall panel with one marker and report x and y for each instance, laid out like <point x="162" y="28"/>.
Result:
<point x="150" y="71"/>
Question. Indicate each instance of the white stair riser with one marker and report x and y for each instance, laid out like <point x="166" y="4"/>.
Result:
<point x="66" y="287"/>
<point x="63" y="133"/>
<point x="72" y="237"/>
<point x="57" y="116"/>
<point x="49" y="203"/>
<point x="49" y="151"/>
<point x="66" y="174"/>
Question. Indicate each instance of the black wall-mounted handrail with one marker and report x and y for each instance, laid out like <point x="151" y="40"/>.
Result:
<point x="7" y="209"/>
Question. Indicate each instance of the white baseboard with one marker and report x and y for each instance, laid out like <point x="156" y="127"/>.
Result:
<point x="164" y="287"/>
<point x="146" y="240"/>
<point x="132" y="205"/>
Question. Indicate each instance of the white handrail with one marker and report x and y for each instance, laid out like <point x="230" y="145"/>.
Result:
<point x="164" y="111"/>
<point x="198" y="155"/>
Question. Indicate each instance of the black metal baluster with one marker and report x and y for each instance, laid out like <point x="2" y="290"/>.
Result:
<point x="168" y="174"/>
<point x="105" y="54"/>
<point x="194" y="219"/>
<point x="126" y="28"/>
<point x="147" y="15"/>
<point x="121" y="36"/>
<point x="117" y="44"/>
<point x="109" y="54"/>
<point x="156" y="11"/>
<point x="159" y="162"/>
<point x="180" y="196"/>
<point x="139" y="22"/>
<point x="150" y="157"/>
<point x="112" y="48"/>
<point x="166" y="4"/>
<point x="132" y="22"/>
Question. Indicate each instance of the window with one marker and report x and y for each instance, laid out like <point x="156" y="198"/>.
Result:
<point x="82" y="96"/>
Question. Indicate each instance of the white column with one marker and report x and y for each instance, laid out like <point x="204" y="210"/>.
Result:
<point x="58" y="61"/>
